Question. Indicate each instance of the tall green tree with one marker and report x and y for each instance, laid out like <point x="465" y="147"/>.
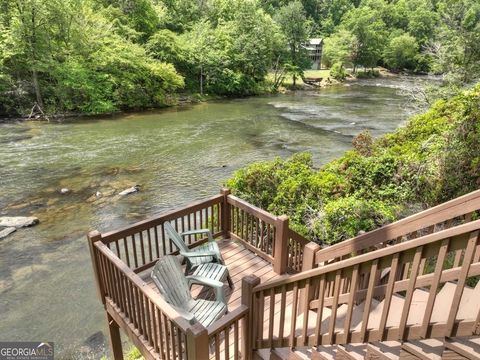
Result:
<point x="369" y="30"/>
<point x="296" y="28"/>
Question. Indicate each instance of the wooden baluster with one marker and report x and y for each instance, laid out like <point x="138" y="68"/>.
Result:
<point x="217" y="347"/>
<point x="458" y="256"/>
<point x="160" y="332"/>
<point x="117" y="249"/>
<point x="442" y="252"/>
<point x="157" y="247"/>
<point x="293" y="319"/>
<point x="321" y="296"/>
<point x="150" y="249"/>
<point x="283" y="300"/>
<point x="93" y="237"/>
<point x="142" y="248"/>
<point x="172" y="339"/>
<point x="333" y="316"/>
<point x="227" y="342"/>
<point x="235" y="341"/>
<point x="467" y="260"/>
<point x="155" y="326"/>
<point x="388" y="295"/>
<point x="179" y="343"/>
<point x="351" y="303"/>
<point x="368" y="300"/>
<point x="306" y="311"/>
<point x="271" y="319"/>
<point x="134" y="250"/>
<point x="410" y="290"/>
<point x="166" y="337"/>
<point x="148" y="321"/>
<point x="125" y="246"/>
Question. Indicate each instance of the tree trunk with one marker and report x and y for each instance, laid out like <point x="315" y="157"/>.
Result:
<point x="201" y="80"/>
<point x="294" y="80"/>
<point x="36" y="86"/>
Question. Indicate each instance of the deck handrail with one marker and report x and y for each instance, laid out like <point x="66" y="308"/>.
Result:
<point x="118" y="257"/>
<point x="429" y="220"/>
<point x="357" y="279"/>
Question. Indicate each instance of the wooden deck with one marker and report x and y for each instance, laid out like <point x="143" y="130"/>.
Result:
<point x="240" y="262"/>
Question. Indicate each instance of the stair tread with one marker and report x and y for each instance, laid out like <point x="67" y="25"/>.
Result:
<point x="425" y="349"/>
<point x="355" y="351"/>
<point x="390" y="349"/>
<point x="325" y="352"/>
<point x="466" y="346"/>
<point x="469" y="303"/>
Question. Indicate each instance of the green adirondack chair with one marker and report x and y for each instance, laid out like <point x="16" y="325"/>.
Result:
<point x="205" y="253"/>
<point x="174" y="286"/>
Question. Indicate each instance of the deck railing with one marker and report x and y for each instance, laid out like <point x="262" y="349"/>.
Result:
<point x="426" y="263"/>
<point x="119" y="257"/>
<point x="443" y="216"/>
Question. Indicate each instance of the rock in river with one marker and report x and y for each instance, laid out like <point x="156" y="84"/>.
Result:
<point x="131" y="190"/>
<point x="7" y="231"/>
<point x="18" y="221"/>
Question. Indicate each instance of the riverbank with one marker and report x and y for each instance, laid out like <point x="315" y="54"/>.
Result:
<point x="188" y="99"/>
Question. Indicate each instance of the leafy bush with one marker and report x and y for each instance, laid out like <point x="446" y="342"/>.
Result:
<point x="433" y="158"/>
<point x="338" y="71"/>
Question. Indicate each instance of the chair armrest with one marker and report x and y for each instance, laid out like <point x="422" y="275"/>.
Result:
<point x="217" y="285"/>
<point x="190" y="254"/>
<point x="199" y="231"/>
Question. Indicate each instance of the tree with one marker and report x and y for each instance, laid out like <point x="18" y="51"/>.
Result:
<point x="339" y="48"/>
<point x="293" y="22"/>
<point x="370" y="33"/>
<point x="457" y="50"/>
<point x="400" y="52"/>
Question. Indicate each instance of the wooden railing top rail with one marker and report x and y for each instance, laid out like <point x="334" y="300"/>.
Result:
<point x="462" y="230"/>
<point x="226" y="320"/>
<point x="260" y="213"/>
<point x="157" y="300"/>
<point x="448" y="210"/>
<point x="156" y="220"/>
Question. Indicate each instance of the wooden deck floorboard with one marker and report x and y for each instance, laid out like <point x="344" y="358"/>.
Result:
<point x="240" y="262"/>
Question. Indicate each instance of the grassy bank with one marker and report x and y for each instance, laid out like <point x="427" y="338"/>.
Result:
<point x="433" y="158"/>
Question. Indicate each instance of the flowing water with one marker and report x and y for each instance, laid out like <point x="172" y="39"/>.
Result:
<point x="177" y="156"/>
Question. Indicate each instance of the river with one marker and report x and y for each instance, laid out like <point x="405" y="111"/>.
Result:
<point x="176" y="155"/>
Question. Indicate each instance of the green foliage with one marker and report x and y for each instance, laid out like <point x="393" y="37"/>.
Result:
<point x="432" y="159"/>
<point x="400" y="52"/>
<point x="339" y="49"/>
<point x="338" y="71"/>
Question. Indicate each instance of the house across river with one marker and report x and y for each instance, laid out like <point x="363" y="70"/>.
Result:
<point x="314" y="48"/>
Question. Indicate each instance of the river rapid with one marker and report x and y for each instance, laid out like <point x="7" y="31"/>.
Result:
<point x="176" y="155"/>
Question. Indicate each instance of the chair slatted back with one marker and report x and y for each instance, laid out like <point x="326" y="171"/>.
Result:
<point x="175" y="237"/>
<point x="171" y="282"/>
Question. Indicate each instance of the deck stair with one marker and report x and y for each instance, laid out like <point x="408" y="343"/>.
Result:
<point x="408" y="290"/>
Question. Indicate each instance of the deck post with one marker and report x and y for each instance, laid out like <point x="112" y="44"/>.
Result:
<point x="114" y="338"/>
<point x="93" y="237"/>
<point x="280" y="261"/>
<point x="248" y="342"/>
<point x="225" y="213"/>
<point x="309" y="252"/>
<point x="197" y="342"/>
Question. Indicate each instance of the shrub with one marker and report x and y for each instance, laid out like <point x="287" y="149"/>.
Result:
<point x="338" y="71"/>
<point x="433" y="158"/>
